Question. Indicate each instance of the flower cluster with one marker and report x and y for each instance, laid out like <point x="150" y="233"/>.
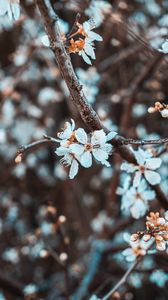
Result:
<point x="10" y="7"/>
<point x="156" y="230"/>
<point x="81" y="41"/>
<point x="137" y="248"/>
<point x="146" y="166"/>
<point x="161" y="107"/>
<point x="77" y="147"/>
<point x="83" y="45"/>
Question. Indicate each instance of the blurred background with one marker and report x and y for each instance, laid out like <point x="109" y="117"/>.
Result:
<point x="60" y="238"/>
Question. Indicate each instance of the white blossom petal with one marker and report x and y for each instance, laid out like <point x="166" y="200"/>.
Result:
<point x="81" y="135"/>
<point x="76" y="149"/>
<point x="95" y="36"/>
<point x="73" y="169"/>
<point x="137" y="178"/>
<point x="98" y="137"/>
<point x="129" y="168"/>
<point x="85" y="57"/>
<point x="89" y="51"/>
<point x="152" y="177"/>
<point x="148" y="195"/>
<point x="111" y="135"/>
<point x="86" y="159"/>
<point x="100" y="154"/>
<point x="153" y="163"/>
<point x="140" y="157"/>
<point x="60" y="151"/>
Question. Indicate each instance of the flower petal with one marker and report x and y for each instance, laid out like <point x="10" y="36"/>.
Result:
<point x="81" y="135"/>
<point x="89" y="51"/>
<point x="152" y="177"/>
<point x="85" y="57"/>
<point x="86" y="159"/>
<point x="100" y="154"/>
<point x="153" y="163"/>
<point x="73" y="169"/>
<point x="129" y="168"/>
<point x="148" y="195"/>
<point x="76" y="149"/>
<point x="140" y="156"/>
<point x="95" y="36"/>
<point x="61" y="151"/>
<point x="111" y="135"/>
<point x="137" y="178"/>
<point x="98" y="137"/>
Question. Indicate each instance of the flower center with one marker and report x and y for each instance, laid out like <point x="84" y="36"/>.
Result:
<point x="138" y="195"/>
<point x="88" y="147"/>
<point x="72" y="138"/>
<point x="142" y="169"/>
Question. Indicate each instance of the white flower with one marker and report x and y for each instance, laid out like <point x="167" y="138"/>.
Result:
<point x="97" y="147"/>
<point x="136" y="200"/>
<point x="159" y="277"/>
<point x="78" y="147"/>
<point x="84" y="46"/>
<point x="88" y="48"/>
<point x="146" y="166"/>
<point x="11" y="7"/>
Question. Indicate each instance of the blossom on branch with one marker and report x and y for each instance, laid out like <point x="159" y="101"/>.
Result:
<point x="156" y="231"/>
<point x="84" y="45"/>
<point x="78" y="147"/>
<point x="137" y="248"/>
<point x="146" y="166"/>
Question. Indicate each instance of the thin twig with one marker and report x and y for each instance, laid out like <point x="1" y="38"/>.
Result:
<point x="123" y="279"/>
<point x="127" y="141"/>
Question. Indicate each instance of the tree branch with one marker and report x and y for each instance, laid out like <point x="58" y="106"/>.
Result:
<point x="88" y="115"/>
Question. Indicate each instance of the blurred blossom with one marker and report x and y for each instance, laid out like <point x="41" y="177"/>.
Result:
<point x="21" y="127"/>
<point x="47" y="95"/>
<point x="2" y="297"/>
<point x="101" y="221"/>
<point x="11" y="255"/>
<point x="139" y="110"/>
<point x="135" y="279"/>
<point x="159" y="277"/>
<point x="98" y="10"/>
<point x="30" y="289"/>
<point x="89" y="86"/>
